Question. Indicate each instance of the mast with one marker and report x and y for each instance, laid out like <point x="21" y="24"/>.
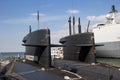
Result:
<point x="111" y="17"/>
<point x="113" y="10"/>
<point x="73" y="24"/>
<point x="30" y="30"/>
<point x="88" y="26"/>
<point x="79" y="25"/>
<point x="69" y="21"/>
<point x="38" y="18"/>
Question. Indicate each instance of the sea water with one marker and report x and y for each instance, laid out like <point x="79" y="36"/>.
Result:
<point x="11" y="54"/>
<point x="111" y="61"/>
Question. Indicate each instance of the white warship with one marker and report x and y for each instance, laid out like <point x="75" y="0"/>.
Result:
<point x="108" y="34"/>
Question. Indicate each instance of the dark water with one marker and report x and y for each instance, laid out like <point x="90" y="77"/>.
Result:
<point x="111" y="61"/>
<point x="10" y="54"/>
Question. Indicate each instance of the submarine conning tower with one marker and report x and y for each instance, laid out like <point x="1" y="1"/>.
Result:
<point x="38" y="47"/>
<point x="78" y="46"/>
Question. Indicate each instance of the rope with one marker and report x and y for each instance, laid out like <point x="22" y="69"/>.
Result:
<point x="79" y="77"/>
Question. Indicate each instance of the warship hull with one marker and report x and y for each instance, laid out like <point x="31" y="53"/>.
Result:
<point x="108" y="34"/>
<point x="110" y="49"/>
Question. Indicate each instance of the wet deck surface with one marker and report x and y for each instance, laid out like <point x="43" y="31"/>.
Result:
<point x="63" y="69"/>
<point x="92" y="71"/>
<point x="23" y="71"/>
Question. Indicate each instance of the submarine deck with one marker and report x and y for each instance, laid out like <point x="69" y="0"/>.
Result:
<point x="93" y="71"/>
<point x="23" y="71"/>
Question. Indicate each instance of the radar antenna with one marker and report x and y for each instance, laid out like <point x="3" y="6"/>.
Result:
<point x="113" y="10"/>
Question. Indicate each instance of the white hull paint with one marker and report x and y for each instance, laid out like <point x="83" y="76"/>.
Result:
<point x="109" y="35"/>
<point x="110" y="49"/>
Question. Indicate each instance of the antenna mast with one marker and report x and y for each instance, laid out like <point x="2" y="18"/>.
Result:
<point x="88" y="26"/>
<point x="38" y="18"/>
<point x="69" y="25"/>
<point x="79" y="25"/>
<point x="30" y="30"/>
<point x="73" y="24"/>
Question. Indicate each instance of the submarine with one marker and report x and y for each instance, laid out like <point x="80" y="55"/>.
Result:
<point x="79" y="61"/>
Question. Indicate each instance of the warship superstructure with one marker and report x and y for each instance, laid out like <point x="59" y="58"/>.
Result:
<point x="108" y="34"/>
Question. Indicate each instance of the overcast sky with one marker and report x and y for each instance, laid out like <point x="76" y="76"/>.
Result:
<point x="17" y="15"/>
